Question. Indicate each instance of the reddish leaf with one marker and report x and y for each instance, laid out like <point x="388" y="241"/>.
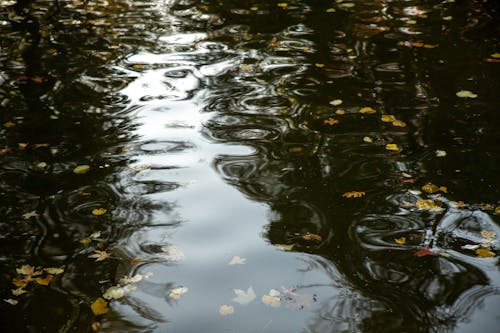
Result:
<point x="425" y="251"/>
<point x="5" y="151"/>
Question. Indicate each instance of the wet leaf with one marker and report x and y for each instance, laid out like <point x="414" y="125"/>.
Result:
<point x="273" y="301"/>
<point x="399" y="123"/>
<point x="244" y="297"/>
<point x="114" y="292"/>
<point x="96" y="326"/>
<point x="18" y="291"/>
<point x="367" y="139"/>
<point x="430" y="188"/>
<point x="466" y="94"/>
<point x="331" y="10"/>
<point x="54" y="270"/>
<point x="488" y="234"/>
<point x="28" y="270"/>
<point x="319" y="65"/>
<point x="340" y="112"/>
<point x="425" y="204"/>
<point x="388" y="118"/>
<point x="443" y="189"/>
<point x="45" y="280"/>
<point x="495" y="55"/>
<point x="353" y="194"/>
<point x="172" y="253"/>
<point x="100" y="255"/>
<point x="400" y="241"/>
<point x="312" y="237"/>
<point x="99" y="211"/>
<point x="425" y="251"/>
<point x="176" y="293"/>
<point x="21" y="283"/>
<point x="330" y="121"/>
<point x="285" y="247"/>
<point x="129" y="287"/>
<point x="87" y="240"/>
<point x="9" y="124"/>
<point x="470" y="247"/>
<point x="81" y="169"/>
<point x="99" y="307"/>
<point x="28" y="215"/>
<point x="226" y="310"/>
<point x="392" y="147"/>
<point x="440" y="153"/>
<point x="236" y="260"/>
<point x="484" y="253"/>
<point x="367" y="110"/>
<point x="336" y="102"/>
<point x="134" y="279"/>
<point x="486" y="207"/>
<point x="11" y="301"/>
<point x="5" y="151"/>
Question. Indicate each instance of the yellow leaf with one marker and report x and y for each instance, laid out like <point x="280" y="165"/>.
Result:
<point x="331" y="10"/>
<point x="399" y="123"/>
<point x="54" y="270"/>
<point x="367" y="139"/>
<point x="466" y="94"/>
<point x="282" y="4"/>
<point x="273" y="301"/>
<point x="81" y="169"/>
<point x="285" y="247"/>
<point x="86" y="240"/>
<point x="99" y="307"/>
<point x="495" y="55"/>
<point x="21" y="283"/>
<point x="340" y="112"/>
<point x="319" y="65"/>
<point x="367" y="110"/>
<point x="353" y="194"/>
<point x="486" y="206"/>
<point x="425" y="204"/>
<point x="330" y="121"/>
<point x="9" y="124"/>
<point x="497" y="209"/>
<point x="226" y="310"/>
<point x="401" y="240"/>
<point x="430" y="188"/>
<point x="484" y="253"/>
<point x="96" y="326"/>
<point x="443" y="189"/>
<point x="336" y="102"/>
<point x="44" y="281"/>
<point x="312" y="237"/>
<point x="99" y="211"/>
<point x="18" y="291"/>
<point x="388" y="118"/>
<point x="488" y="234"/>
<point x="392" y="146"/>
<point x="11" y="301"/>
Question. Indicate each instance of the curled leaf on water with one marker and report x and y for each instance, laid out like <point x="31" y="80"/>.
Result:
<point x="226" y="310"/>
<point x="81" y="169"/>
<point x="367" y="110"/>
<point x="466" y="94"/>
<point x="54" y="270"/>
<point x="99" y="211"/>
<point x="353" y="194"/>
<point x="392" y="147"/>
<point x="400" y="241"/>
<point x="485" y="253"/>
<point x="99" y="307"/>
<point x="367" y="139"/>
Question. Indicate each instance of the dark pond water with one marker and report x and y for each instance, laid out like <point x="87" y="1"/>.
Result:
<point x="334" y="162"/>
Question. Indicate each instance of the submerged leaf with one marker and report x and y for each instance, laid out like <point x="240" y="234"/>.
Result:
<point x="244" y="297"/>
<point x="99" y="307"/>
<point x="226" y="310"/>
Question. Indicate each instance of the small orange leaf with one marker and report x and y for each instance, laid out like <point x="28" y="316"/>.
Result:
<point x="21" y="283"/>
<point x="353" y="194"/>
<point x="484" y="253"/>
<point x="44" y="281"/>
<point x="330" y="121"/>
<point x="99" y="307"/>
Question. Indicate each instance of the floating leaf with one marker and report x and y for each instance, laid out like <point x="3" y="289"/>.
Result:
<point x="114" y="292"/>
<point x="367" y="110"/>
<point x="331" y="10"/>
<point x="484" y="253"/>
<point x="172" y="253"/>
<point x="399" y="123"/>
<point x="81" y="169"/>
<point x="133" y="279"/>
<point x="28" y="270"/>
<point x="237" y="261"/>
<point x="54" y="270"/>
<point x="45" y="280"/>
<point x="176" y="293"/>
<point x="285" y="247"/>
<point x="330" y="121"/>
<point x="18" y="291"/>
<point x="353" y="194"/>
<point x="400" y="241"/>
<point x="273" y="301"/>
<point x="99" y="307"/>
<point x="9" y="124"/>
<point x="87" y="240"/>
<point x="336" y="102"/>
<point x="367" y="139"/>
<point x="96" y="326"/>
<point x="28" y="215"/>
<point x="282" y="4"/>
<point x="488" y="234"/>
<point x="244" y="297"/>
<point x="388" y="118"/>
<point x="11" y="301"/>
<point x="100" y="255"/>
<point x="470" y="247"/>
<point x="440" y="153"/>
<point x="430" y="188"/>
<point x="340" y="112"/>
<point x="312" y="237"/>
<point x="466" y="94"/>
<point x="495" y="55"/>
<point x="21" y="283"/>
<point x="99" y="211"/>
<point x="392" y="147"/>
<point x="319" y="65"/>
<point x="425" y="204"/>
<point x="425" y="251"/>
<point x="226" y="310"/>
